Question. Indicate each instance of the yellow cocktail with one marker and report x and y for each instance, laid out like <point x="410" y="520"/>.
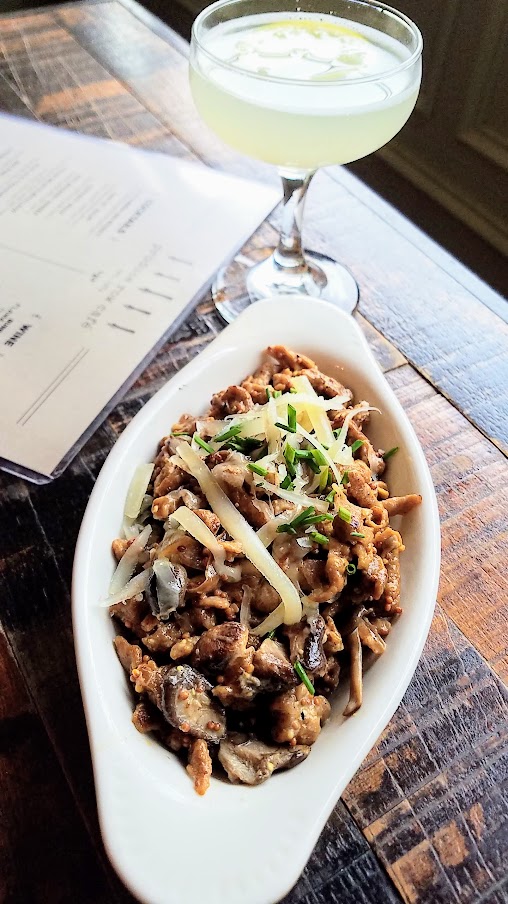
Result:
<point x="302" y="88"/>
<point x="331" y="99"/>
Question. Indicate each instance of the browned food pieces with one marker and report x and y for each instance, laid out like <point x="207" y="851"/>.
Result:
<point x="200" y="766"/>
<point x="389" y="545"/>
<point x="306" y="644"/>
<point x="298" y="716"/>
<point x="233" y="400"/>
<point x="218" y="647"/>
<point x="187" y="704"/>
<point x="251" y="761"/>
<point x="258" y="382"/>
<point x="164" y="506"/>
<point x="238" y="686"/>
<point x="401" y="505"/>
<point x="201" y="659"/>
<point x="129" y="654"/>
<point x="119" y="547"/>
<point x="131" y="614"/>
<point x="168" y="476"/>
<point x="355" y="686"/>
<point x="272" y="666"/>
<point x="145" y="718"/>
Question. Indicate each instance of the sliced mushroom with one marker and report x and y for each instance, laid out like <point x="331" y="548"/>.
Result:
<point x="370" y="637"/>
<point x="252" y="762"/>
<point x="355" y="677"/>
<point x="306" y="642"/>
<point x="273" y="667"/>
<point x="170" y="588"/>
<point x="218" y="646"/>
<point x="187" y="704"/>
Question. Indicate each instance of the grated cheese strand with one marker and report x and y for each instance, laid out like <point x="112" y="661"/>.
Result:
<point x="240" y="530"/>
<point x="193" y="524"/>
<point x="317" y="415"/>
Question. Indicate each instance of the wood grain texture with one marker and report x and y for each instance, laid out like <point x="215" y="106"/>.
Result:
<point x="470" y="477"/>
<point x="45" y="852"/>
<point x="429" y="796"/>
<point x="45" y="74"/>
<point x="425" y="819"/>
<point x="430" y="313"/>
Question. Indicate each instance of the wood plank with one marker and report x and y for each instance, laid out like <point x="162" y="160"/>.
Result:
<point x="42" y="836"/>
<point x="157" y="74"/>
<point x="470" y="477"/>
<point x="448" y="334"/>
<point x="46" y="74"/>
<point x="429" y="796"/>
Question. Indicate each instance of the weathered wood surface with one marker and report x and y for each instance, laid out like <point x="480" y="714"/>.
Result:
<point x="425" y="819"/>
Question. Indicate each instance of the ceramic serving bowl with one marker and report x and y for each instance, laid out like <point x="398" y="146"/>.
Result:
<point x="238" y="844"/>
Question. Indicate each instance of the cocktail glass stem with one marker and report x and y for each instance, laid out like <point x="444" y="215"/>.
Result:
<point x="287" y="269"/>
<point x="289" y="252"/>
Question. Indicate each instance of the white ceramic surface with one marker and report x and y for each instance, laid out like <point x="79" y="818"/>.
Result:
<point x="239" y="845"/>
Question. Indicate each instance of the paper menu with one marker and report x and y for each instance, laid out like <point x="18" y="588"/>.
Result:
<point x="103" y="250"/>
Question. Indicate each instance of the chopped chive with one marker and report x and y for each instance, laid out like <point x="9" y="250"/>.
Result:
<point x="285" y="529"/>
<point x="180" y="434"/>
<point x="204" y="445"/>
<point x="323" y="480"/>
<point x="287" y="427"/>
<point x="310" y="511"/>
<point x="356" y="445"/>
<point x="351" y="568"/>
<point x="387" y="455"/>
<point x="293" y="390"/>
<point x="345" y="514"/>
<point x="244" y="444"/>
<point x="318" y="457"/>
<point x="277" y="393"/>
<point x="330" y="496"/>
<point x="355" y="533"/>
<point x="290" y="455"/>
<point x="270" y="635"/>
<point x="313" y="466"/>
<point x="316" y="519"/>
<point x="304" y="678"/>
<point x="303" y="454"/>
<point x="268" y="391"/>
<point x="345" y="477"/>
<point x="292" y="418"/>
<point x="227" y="433"/>
<point x="319" y="538"/>
<point x="286" y="483"/>
<point x="257" y="469"/>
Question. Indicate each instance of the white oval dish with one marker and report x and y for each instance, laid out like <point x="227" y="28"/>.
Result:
<point x="239" y="844"/>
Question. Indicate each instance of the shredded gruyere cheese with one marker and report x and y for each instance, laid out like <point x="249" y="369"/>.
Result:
<point x="198" y="529"/>
<point x="240" y="530"/>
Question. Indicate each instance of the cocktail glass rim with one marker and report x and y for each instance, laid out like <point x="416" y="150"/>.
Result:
<point x="378" y="7"/>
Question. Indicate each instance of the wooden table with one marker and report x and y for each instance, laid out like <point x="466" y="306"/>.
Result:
<point x="425" y="819"/>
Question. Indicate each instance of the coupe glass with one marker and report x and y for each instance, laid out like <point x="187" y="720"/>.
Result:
<point x="318" y="83"/>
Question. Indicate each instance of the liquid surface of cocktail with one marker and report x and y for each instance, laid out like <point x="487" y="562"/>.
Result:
<point x="303" y="90"/>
